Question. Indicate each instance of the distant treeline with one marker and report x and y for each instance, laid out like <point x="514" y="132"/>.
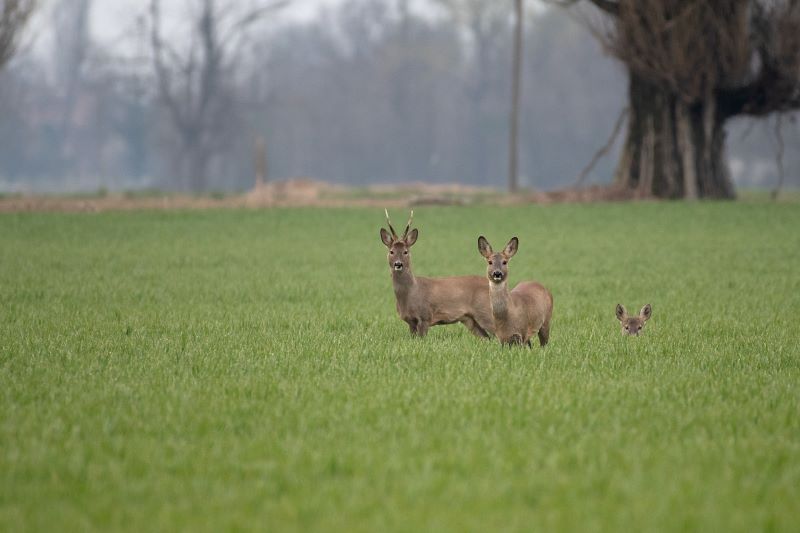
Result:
<point x="369" y="92"/>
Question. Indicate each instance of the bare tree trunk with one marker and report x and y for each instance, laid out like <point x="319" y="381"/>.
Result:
<point x="673" y="149"/>
<point x="14" y="16"/>
<point x="516" y="82"/>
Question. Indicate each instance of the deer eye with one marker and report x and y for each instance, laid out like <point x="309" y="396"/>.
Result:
<point x="405" y="252"/>
<point x="627" y="328"/>
<point x="505" y="262"/>
<point x="391" y="252"/>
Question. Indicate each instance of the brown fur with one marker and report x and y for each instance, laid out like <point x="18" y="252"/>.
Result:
<point x="425" y="302"/>
<point x="521" y="313"/>
<point x="633" y="325"/>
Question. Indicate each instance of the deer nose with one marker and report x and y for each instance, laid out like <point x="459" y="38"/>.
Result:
<point x="497" y="274"/>
<point x="398" y="264"/>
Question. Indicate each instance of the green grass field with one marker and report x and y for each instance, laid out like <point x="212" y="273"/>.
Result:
<point x="216" y="370"/>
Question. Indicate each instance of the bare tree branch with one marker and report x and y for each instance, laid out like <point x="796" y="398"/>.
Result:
<point x="604" y="149"/>
<point x="562" y="3"/>
<point x="239" y="26"/>
<point x="195" y="86"/>
<point x="162" y="72"/>
<point x="257" y="14"/>
<point x="775" y="87"/>
<point x="608" y="6"/>
<point x="14" y="16"/>
<point x="712" y="59"/>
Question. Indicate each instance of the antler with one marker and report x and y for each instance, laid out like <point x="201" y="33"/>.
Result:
<point x="394" y="233"/>
<point x="408" y="225"/>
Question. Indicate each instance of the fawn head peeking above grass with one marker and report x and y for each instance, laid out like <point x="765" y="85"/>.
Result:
<point x="632" y="325"/>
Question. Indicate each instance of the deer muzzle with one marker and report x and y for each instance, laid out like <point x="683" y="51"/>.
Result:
<point x="398" y="265"/>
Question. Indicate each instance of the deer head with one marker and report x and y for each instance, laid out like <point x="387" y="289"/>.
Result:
<point x="632" y="325"/>
<point x="497" y="271"/>
<point x="399" y="247"/>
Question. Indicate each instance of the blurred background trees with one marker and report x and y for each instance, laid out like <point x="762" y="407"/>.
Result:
<point x="196" y="83"/>
<point x="692" y="66"/>
<point x="14" y="15"/>
<point x="363" y="91"/>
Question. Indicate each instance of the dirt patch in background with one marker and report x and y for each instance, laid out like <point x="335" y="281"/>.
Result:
<point x="594" y="193"/>
<point x="303" y="192"/>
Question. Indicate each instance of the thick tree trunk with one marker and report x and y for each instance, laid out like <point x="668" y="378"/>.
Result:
<point x="673" y="149"/>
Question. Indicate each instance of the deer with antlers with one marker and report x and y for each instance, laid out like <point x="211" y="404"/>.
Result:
<point x="425" y="302"/>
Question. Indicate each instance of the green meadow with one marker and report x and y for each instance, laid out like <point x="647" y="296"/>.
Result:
<point x="238" y="369"/>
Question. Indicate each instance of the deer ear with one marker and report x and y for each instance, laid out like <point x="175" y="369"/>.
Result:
<point x="386" y="238"/>
<point x="484" y="247"/>
<point x="511" y="247"/>
<point x="411" y="238"/>
<point x="646" y="312"/>
<point x="622" y="314"/>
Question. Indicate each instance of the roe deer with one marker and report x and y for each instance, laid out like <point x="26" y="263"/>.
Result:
<point x="425" y="302"/>
<point x="632" y="325"/>
<point x="522" y="312"/>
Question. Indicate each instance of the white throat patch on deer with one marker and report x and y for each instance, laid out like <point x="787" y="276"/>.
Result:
<point x="521" y="313"/>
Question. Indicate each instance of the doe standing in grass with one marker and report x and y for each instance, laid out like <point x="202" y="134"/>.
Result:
<point x="522" y="312"/>
<point x="425" y="302"/>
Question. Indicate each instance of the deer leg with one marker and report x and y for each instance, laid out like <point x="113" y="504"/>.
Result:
<point x="473" y="326"/>
<point x="544" y="333"/>
<point x="412" y="325"/>
<point x="422" y="328"/>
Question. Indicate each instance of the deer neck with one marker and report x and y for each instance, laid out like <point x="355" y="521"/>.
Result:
<point x="404" y="283"/>
<point x="500" y="299"/>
